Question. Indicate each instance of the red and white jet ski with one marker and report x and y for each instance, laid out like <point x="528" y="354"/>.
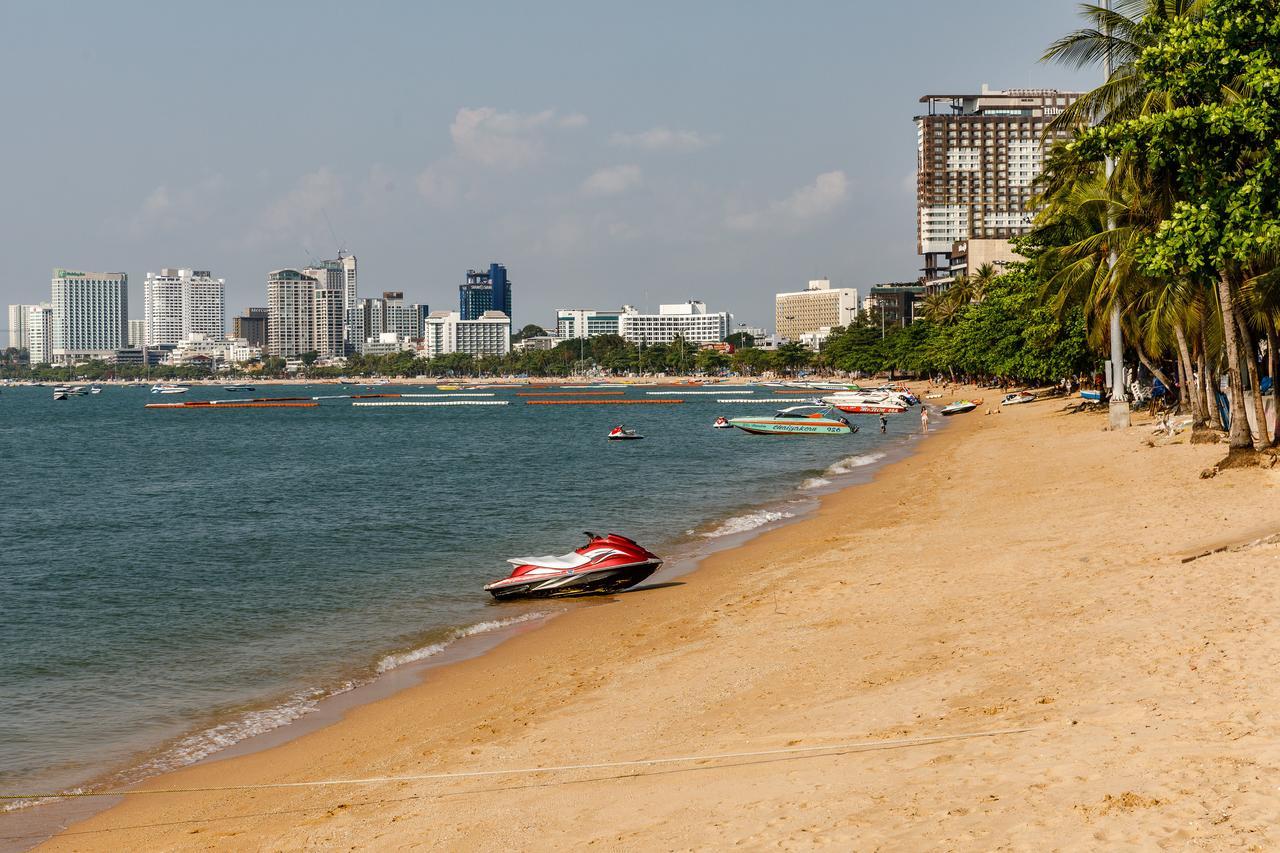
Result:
<point x="605" y="564"/>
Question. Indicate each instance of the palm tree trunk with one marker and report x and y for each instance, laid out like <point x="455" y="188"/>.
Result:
<point x="1210" y="386"/>
<point x="1155" y="371"/>
<point x="1190" y="387"/>
<point x="1238" y="434"/>
<point x="1262" y="435"/>
<point x="1273" y="366"/>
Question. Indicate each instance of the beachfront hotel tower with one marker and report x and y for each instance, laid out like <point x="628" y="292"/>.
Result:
<point x="290" y="313"/>
<point x="178" y="303"/>
<point x="90" y="315"/>
<point x="817" y="307"/>
<point x="485" y="291"/>
<point x="31" y="329"/>
<point x="689" y="320"/>
<point x="976" y="158"/>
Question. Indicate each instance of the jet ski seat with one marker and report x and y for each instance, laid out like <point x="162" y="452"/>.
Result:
<point x="572" y="560"/>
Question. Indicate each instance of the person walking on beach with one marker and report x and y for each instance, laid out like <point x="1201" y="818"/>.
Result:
<point x="884" y="423"/>
<point x="924" y="420"/>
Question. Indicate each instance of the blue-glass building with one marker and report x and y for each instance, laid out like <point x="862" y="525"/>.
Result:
<point x="485" y="291"/>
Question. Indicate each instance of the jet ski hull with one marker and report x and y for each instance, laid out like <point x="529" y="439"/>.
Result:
<point x="586" y="581"/>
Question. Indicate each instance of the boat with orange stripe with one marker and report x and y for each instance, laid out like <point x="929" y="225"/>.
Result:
<point x="797" y="420"/>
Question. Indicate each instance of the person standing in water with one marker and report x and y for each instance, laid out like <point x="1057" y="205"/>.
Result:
<point x="884" y="423"/>
<point x="924" y="420"/>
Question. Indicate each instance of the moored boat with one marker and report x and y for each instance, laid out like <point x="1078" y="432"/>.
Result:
<point x="797" y="420"/>
<point x="1018" y="399"/>
<point x="862" y="403"/>
<point x="959" y="407"/>
<point x="163" y="388"/>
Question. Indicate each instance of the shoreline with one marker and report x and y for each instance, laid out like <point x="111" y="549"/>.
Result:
<point x="1021" y="573"/>
<point x="463" y="643"/>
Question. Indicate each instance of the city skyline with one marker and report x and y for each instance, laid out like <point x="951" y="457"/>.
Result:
<point x="595" y="188"/>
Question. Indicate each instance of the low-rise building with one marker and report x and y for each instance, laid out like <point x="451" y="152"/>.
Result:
<point x="688" y="320"/>
<point x="586" y="323"/>
<point x="219" y="350"/>
<point x="446" y="332"/>
<point x="537" y="342"/>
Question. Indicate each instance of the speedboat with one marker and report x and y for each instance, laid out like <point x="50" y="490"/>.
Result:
<point x="168" y="389"/>
<point x="865" y="403"/>
<point x="1017" y="399"/>
<point x="959" y="407"/>
<point x="621" y="433"/>
<point x="605" y="564"/>
<point x="95" y="389"/>
<point x="238" y="388"/>
<point x="60" y="394"/>
<point x="722" y="423"/>
<point x="797" y="420"/>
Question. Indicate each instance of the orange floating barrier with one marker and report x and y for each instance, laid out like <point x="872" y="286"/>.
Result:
<point x="602" y="402"/>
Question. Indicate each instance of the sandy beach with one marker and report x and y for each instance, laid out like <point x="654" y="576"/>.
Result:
<point x="1000" y="633"/>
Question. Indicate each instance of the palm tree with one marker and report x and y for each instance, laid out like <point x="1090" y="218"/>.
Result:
<point x="982" y="279"/>
<point x="1121" y="34"/>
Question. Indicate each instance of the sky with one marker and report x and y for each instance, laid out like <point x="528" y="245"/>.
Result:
<point x="607" y="153"/>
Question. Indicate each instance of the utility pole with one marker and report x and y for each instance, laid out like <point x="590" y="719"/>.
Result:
<point x="1118" y="413"/>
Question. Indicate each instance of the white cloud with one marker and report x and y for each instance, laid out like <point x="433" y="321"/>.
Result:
<point x="812" y="201"/>
<point x="165" y="208"/>
<point x="437" y="184"/>
<point x="663" y="139"/>
<point x="303" y="209"/>
<point x="613" y="180"/>
<point x="506" y="140"/>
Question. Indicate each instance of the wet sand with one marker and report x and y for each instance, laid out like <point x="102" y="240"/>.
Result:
<point x="1024" y="570"/>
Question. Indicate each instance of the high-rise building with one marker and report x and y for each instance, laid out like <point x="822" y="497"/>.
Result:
<point x="689" y="320"/>
<point x="813" y="309"/>
<point x="178" y="303"/>
<point x="485" y="291"/>
<point x="290" y="309"/>
<point x="977" y="156"/>
<point x="36" y="322"/>
<point x="447" y="332"/>
<point x="374" y="317"/>
<point x="18" y="326"/>
<point x="251" y="326"/>
<point x="90" y="314"/>
<point x="584" y="323"/>
<point x="137" y="333"/>
<point x="328" y="308"/>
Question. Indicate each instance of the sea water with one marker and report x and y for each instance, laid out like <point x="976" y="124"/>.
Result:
<point x="172" y="582"/>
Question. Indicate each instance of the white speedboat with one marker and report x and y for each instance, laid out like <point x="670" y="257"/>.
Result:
<point x="865" y="403"/>
<point x="168" y="389"/>
<point x="1017" y="399"/>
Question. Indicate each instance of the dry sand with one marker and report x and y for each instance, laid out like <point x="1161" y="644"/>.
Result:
<point x="1023" y="570"/>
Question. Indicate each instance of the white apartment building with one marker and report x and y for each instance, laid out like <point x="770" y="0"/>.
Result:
<point x="446" y="332"/>
<point x="137" y="333"/>
<point x="373" y="316"/>
<point x="817" y="307"/>
<point x="18" y="326"/>
<point x="219" y="349"/>
<point x="290" y="317"/>
<point x="90" y="314"/>
<point x="584" y="323"/>
<point x="181" y="302"/>
<point x="327" y="319"/>
<point x="37" y="328"/>
<point x="690" y="320"/>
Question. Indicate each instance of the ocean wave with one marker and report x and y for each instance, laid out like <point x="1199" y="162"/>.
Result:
<point x="814" y="483"/>
<point x="851" y="463"/>
<point x="390" y="662"/>
<point x="204" y="743"/>
<point x="750" y="521"/>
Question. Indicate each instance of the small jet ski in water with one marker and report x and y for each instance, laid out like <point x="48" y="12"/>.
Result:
<point x="621" y="433"/>
<point x="722" y="423"/>
<point x="605" y="564"/>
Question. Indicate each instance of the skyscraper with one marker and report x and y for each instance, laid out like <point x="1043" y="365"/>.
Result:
<point x="977" y="156"/>
<point x="178" y="303"/>
<point x="290" y="307"/>
<point x="18" y="326"/>
<point x="38" y="327"/>
<point x="252" y="326"/>
<point x="90" y="314"/>
<point x="485" y="291"/>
